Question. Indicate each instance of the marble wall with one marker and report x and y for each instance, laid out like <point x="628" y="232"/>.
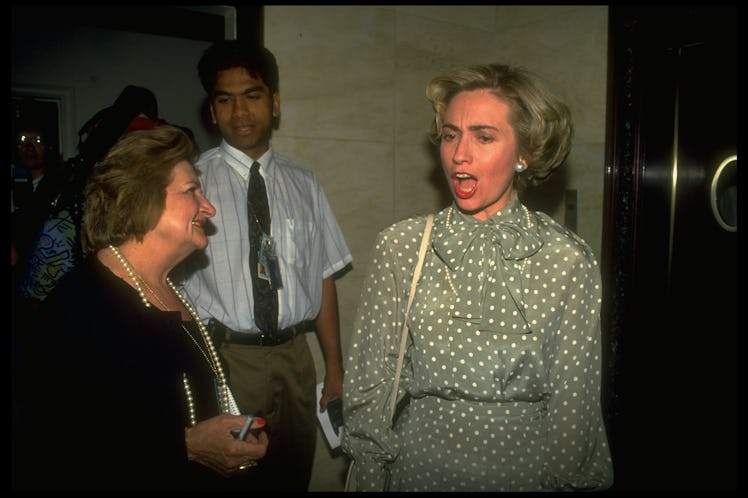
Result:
<point x="354" y="111"/>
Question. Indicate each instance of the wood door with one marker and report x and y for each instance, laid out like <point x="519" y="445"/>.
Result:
<point x="670" y="266"/>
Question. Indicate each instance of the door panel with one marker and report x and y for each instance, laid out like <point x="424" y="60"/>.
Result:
<point x="670" y="267"/>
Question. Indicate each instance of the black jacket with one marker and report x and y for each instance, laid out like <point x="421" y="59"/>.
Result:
<point x="99" y="392"/>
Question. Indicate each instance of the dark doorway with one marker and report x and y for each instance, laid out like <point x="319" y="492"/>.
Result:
<point x="670" y="266"/>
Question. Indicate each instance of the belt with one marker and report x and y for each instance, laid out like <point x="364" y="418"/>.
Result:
<point x="222" y="334"/>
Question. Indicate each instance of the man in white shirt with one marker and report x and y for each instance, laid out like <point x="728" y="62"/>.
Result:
<point x="271" y="367"/>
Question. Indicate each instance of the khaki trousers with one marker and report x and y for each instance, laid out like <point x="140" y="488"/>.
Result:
<point x="278" y="383"/>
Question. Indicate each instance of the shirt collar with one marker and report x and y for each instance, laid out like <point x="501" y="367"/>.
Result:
<point x="242" y="162"/>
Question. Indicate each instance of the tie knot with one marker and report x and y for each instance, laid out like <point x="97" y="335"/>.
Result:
<point x="255" y="167"/>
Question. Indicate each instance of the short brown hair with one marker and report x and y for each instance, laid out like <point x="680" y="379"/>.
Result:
<point x="126" y="192"/>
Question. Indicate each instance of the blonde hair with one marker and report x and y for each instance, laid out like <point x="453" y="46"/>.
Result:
<point x="541" y="122"/>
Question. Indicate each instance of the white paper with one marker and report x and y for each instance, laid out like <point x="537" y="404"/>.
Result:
<point x="324" y="421"/>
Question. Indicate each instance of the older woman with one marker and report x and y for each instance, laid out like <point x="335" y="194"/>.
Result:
<point x="502" y="367"/>
<point x="125" y="389"/>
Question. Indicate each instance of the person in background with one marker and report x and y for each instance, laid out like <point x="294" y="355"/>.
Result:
<point x="503" y="361"/>
<point x="35" y="180"/>
<point x="36" y="177"/>
<point x="124" y="389"/>
<point x="302" y="250"/>
<point x="55" y="246"/>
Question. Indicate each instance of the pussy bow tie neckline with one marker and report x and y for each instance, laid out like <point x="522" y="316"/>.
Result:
<point x="505" y="239"/>
<point x="508" y="230"/>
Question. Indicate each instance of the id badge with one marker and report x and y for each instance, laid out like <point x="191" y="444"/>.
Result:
<point x="267" y="266"/>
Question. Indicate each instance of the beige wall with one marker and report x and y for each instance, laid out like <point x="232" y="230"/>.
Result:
<point x="354" y="111"/>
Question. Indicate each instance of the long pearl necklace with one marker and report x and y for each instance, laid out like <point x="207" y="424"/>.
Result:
<point x="131" y="274"/>
<point x="213" y="361"/>
<point x="448" y="272"/>
<point x="165" y="307"/>
<point x="189" y="334"/>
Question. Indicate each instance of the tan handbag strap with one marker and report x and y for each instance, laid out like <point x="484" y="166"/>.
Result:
<point x="404" y="335"/>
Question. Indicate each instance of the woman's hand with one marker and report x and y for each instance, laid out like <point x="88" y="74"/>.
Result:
<point x="211" y="443"/>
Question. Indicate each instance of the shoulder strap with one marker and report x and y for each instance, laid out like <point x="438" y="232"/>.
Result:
<point x="404" y="335"/>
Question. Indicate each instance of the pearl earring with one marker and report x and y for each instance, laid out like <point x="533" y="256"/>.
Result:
<point x="519" y="168"/>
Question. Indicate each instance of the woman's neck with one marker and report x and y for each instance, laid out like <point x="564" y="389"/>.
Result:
<point x="135" y="264"/>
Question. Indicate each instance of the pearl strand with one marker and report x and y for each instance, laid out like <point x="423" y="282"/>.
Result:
<point x="154" y="294"/>
<point x="131" y="274"/>
<point x="166" y="308"/>
<point x="190" y="400"/>
<point x="225" y="407"/>
<point x="447" y="272"/>
<point x="215" y="363"/>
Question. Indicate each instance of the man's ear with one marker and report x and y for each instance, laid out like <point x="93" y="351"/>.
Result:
<point x="276" y="105"/>
<point x="276" y="111"/>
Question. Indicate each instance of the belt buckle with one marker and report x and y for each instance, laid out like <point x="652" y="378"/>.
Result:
<point x="266" y="339"/>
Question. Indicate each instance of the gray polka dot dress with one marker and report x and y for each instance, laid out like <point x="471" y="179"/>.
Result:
<point x="502" y="367"/>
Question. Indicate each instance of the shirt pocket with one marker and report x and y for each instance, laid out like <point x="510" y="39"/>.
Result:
<point x="297" y="244"/>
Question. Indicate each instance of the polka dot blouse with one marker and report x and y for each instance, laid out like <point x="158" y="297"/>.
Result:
<point x="502" y="368"/>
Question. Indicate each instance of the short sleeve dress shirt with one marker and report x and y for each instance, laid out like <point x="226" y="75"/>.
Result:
<point x="309" y="242"/>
